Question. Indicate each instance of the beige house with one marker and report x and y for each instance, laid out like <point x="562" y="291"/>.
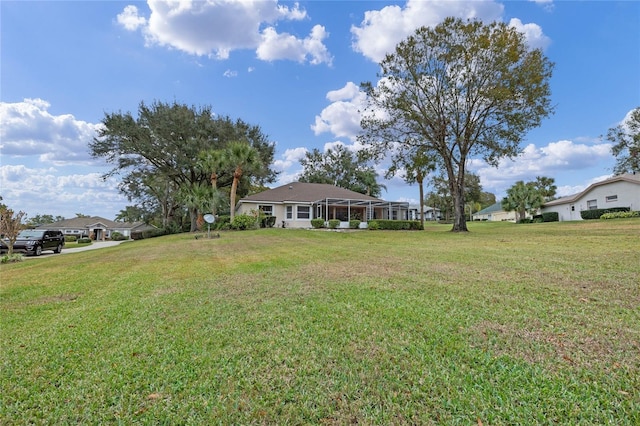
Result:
<point x="617" y="191"/>
<point x="495" y="213"/>
<point x="295" y="204"/>
<point x="97" y="228"/>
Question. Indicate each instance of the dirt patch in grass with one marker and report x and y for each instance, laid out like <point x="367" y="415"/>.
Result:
<point x="611" y="349"/>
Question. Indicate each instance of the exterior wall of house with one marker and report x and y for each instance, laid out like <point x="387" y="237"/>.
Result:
<point x="292" y="214"/>
<point x="497" y="216"/>
<point x="615" y="194"/>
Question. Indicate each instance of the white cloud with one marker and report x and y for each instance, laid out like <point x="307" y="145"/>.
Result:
<point x="230" y="73"/>
<point x="130" y="19"/>
<point x="276" y="46"/>
<point x="28" y="129"/>
<point x="549" y="160"/>
<point x="289" y="157"/>
<point x="533" y="34"/>
<point x="342" y="117"/>
<point x="216" y="28"/>
<point x="381" y="30"/>
<point x="33" y="189"/>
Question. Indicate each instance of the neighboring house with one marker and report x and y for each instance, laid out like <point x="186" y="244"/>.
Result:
<point x="430" y="213"/>
<point x="95" y="227"/>
<point x="495" y="213"/>
<point x="295" y="204"/>
<point x="618" y="191"/>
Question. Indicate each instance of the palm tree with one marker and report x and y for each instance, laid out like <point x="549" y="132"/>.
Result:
<point x="245" y="159"/>
<point x="197" y="198"/>
<point x="522" y="197"/>
<point x="211" y="161"/>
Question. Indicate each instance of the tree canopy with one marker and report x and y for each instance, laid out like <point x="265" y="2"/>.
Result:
<point x="340" y="167"/>
<point x="459" y="90"/>
<point x="158" y="155"/>
<point x="626" y="144"/>
<point x="528" y="197"/>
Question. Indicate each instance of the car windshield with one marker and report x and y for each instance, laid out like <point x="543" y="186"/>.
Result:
<point x="30" y="233"/>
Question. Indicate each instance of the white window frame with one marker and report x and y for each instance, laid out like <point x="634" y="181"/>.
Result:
<point x="289" y="212"/>
<point x="263" y="209"/>
<point x="592" y="204"/>
<point x="611" y="198"/>
<point x="307" y="213"/>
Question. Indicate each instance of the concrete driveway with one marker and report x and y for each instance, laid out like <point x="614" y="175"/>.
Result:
<point x="93" y="246"/>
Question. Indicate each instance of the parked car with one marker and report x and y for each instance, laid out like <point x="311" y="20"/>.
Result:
<point x="35" y="241"/>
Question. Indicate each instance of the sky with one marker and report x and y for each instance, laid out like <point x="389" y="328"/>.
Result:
<point x="292" y="68"/>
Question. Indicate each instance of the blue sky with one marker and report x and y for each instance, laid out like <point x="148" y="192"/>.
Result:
<point x="291" y="68"/>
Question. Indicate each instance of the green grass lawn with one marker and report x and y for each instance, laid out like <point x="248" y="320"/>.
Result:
<point x="508" y="324"/>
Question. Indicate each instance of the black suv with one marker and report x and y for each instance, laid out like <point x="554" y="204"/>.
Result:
<point x="35" y="241"/>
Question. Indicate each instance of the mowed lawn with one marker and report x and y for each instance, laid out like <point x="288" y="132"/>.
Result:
<point x="508" y="324"/>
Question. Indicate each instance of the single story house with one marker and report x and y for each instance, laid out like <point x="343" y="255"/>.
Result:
<point x="295" y="204"/>
<point x="95" y="227"/>
<point x="495" y="213"/>
<point x="430" y="213"/>
<point x="617" y="191"/>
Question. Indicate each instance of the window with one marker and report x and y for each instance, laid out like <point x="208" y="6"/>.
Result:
<point x="267" y="210"/>
<point x="289" y="212"/>
<point x="592" y="204"/>
<point x="573" y="208"/>
<point x="611" y="198"/>
<point x="304" y="212"/>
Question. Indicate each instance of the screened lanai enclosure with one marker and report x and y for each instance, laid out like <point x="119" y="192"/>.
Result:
<point x="363" y="210"/>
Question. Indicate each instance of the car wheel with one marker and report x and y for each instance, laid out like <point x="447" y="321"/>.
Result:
<point x="38" y="251"/>
<point x="58" y="249"/>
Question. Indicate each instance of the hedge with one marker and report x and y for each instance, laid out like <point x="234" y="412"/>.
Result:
<point x="620" y="215"/>
<point x="596" y="213"/>
<point x="317" y="223"/>
<point x="334" y="223"/>
<point x="546" y="217"/>
<point x="148" y="233"/>
<point x="395" y="225"/>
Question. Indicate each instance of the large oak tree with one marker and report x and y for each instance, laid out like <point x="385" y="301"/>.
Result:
<point x="460" y="90"/>
<point x="158" y="153"/>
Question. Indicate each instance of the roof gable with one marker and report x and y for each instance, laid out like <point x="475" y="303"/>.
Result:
<point x="306" y="193"/>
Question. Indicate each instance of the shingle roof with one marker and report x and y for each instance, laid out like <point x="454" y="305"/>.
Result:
<point x="497" y="207"/>
<point x="306" y="193"/>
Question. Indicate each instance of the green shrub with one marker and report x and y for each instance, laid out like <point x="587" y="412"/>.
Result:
<point x="148" y="233"/>
<point x="84" y="240"/>
<point x="525" y="220"/>
<point x="354" y="224"/>
<point x="243" y="222"/>
<point x="334" y="223"/>
<point x="373" y="225"/>
<point x="267" y="221"/>
<point x="317" y="223"/>
<point x="117" y="236"/>
<point x="15" y="257"/>
<point x="620" y="215"/>
<point x="550" y="217"/>
<point x="596" y="213"/>
<point x="70" y="238"/>
<point x="222" y="223"/>
<point x="396" y="225"/>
